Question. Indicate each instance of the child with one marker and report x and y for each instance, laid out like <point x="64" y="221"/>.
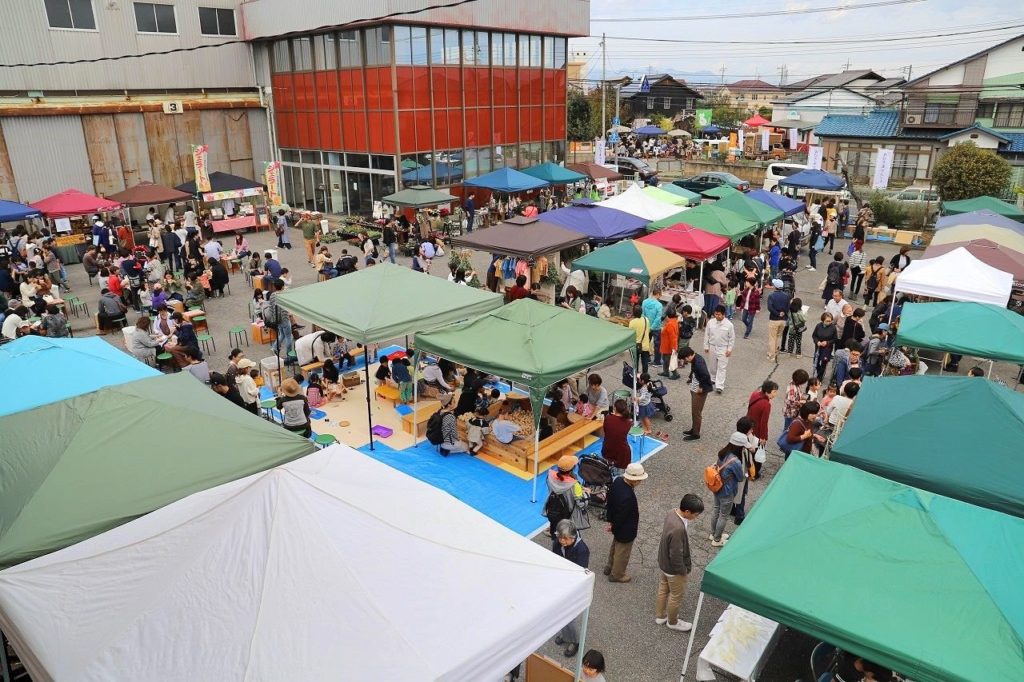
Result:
<point x="403" y="377"/>
<point x="478" y="428"/>
<point x="315" y="391"/>
<point x="583" y="407"/>
<point x="593" y="666"/>
<point x="813" y="388"/>
<point x="383" y="373"/>
<point x="830" y="393"/>
<point x="643" y="398"/>
<point x="333" y="388"/>
<point x="686" y="325"/>
<point x="730" y="297"/>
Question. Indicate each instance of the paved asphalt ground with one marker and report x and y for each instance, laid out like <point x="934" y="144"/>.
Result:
<point x="622" y="616"/>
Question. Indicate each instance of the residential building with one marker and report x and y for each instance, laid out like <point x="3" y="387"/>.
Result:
<point x="750" y="95"/>
<point x="353" y="107"/>
<point x="660" y="95"/>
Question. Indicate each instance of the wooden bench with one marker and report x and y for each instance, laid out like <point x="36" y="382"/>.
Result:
<point x="387" y="392"/>
<point x="311" y="367"/>
<point x="419" y="418"/>
<point x="519" y="453"/>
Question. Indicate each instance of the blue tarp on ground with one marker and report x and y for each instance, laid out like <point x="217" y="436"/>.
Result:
<point x="783" y="203"/>
<point x="507" y="180"/>
<point x="813" y="179"/>
<point x="40" y="371"/>
<point x="598" y="223"/>
<point x="12" y="210"/>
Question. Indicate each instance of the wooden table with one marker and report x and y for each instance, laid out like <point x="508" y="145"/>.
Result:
<point x="420" y="418"/>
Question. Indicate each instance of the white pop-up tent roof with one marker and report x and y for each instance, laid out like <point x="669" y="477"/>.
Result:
<point x="635" y="201"/>
<point x="331" y="567"/>
<point x="956" y="276"/>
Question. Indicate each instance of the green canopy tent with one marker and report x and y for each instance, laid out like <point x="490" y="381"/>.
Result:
<point x="923" y="584"/>
<point x="630" y="258"/>
<point x="692" y="197"/>
<point x="983" y="204"/>
<point x="385" y="302"/>
<point x="751" y="209"/>
<point x="526" y="342"/>
<point x="710" y="218"/>
<point x="720" y="192"/>
<point x="419" y="196"/>
<point x="554" y="174"/>
<point x="670" y="197"/>
<point x="980" y="330"/>
<point x="79" y="467"/>
<point x="956" y="436"/>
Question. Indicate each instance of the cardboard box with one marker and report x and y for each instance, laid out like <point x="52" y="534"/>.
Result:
<point x="262" y="334"/>
<point x="350" y="379"/>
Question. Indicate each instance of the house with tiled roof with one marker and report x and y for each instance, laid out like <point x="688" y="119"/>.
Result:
<point x="750" y="95"/>
<point x="659" y="95"/>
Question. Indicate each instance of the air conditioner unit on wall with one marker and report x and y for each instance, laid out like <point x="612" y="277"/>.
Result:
<point x="911" y="119"/>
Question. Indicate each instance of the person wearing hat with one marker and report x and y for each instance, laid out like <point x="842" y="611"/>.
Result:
<point x="624" y="517"/>
<point x="730" y="469"/>
<point x="877" y="348"/>
<point x="449" y="427"/>
<point x="220" y="384"/>
<point x="294" y="408"/>
<point x="561" y="501"/>
<point x="310" y="227"/>
<point x="778" y="316"/>
<point x="245" y="381"/>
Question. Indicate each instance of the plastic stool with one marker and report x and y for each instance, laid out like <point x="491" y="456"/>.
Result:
<point x="639" y="431"/>
<point x="205" y="339"/>
<point x="322" y="440"/>
<point x="236" y="335"/>
<point x="166" y="360"/>
<point x="268" y="406"/>
<point x="199" y="322"/>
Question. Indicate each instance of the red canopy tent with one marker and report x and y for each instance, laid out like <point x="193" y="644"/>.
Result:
<point x="756" y="121"/>
<point x="71" y="203"/>
<point x="687" y="241"/>
<point x="987" y="251"/>
<point x="149" y="194"/>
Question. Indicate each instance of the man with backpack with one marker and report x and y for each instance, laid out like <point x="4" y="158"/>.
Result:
<point x="834" y="275"/>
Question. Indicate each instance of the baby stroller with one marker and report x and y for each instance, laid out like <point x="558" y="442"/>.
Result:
<point x="596" y="476"/>
<point x="657" y="396"/>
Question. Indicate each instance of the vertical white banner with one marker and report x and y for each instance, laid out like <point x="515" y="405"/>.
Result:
<point x="883" y="168"/>
<point x="765" y="141"/>
<point x="794" y="138"/>
<point x="742" y="138"/>
<point x="599" y="156"/>
<point x="814" y="156"/>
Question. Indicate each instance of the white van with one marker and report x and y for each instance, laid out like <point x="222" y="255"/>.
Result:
<point x="777" y="171"/>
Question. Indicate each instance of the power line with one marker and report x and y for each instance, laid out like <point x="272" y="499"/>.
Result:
<point x="196" y="48"/>
<point x="765" y="13"/>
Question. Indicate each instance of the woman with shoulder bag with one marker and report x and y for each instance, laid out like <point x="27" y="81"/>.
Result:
<point x="797" y="326"/>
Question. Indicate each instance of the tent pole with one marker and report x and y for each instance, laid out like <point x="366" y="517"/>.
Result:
<point x="536" y="455"/>
<point x="990" y="364"/>
<point x="582" y="648"/>
<point x="415" y="396"/>
<point x="369" y="405"/>
<point x="693" y="631"/>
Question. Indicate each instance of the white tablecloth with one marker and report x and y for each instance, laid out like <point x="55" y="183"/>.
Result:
<point x="740" y="644"/>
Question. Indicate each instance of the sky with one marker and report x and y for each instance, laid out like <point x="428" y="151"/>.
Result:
<point x="906" y="21"/>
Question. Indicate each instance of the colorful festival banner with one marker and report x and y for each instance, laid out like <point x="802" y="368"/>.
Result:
<point x="200" y="152"/>
<point x="272" y="179"/>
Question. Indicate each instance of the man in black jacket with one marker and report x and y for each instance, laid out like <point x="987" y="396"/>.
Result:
<point x="624" y="515"/>
<point x="701" y="384"/>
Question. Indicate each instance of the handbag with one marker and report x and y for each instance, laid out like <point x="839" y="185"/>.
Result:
<point x="819" y="244"/>
<point x="760" y="455"/>
<point x="673" y="362"/>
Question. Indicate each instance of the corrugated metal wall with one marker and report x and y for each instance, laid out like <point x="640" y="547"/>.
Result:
<point x="106" y="153"/>
<point x="48" y="155"/>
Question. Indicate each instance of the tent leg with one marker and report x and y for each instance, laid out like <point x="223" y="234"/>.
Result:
<point x="415" y="401"/>
<point x="700" y="281"/>
<point x="369" y="405"/>
<point x="693" y="631"/>
<point x="582" y="647"/>
<point x="990" y="365"/>
<point x="536" y="455"/>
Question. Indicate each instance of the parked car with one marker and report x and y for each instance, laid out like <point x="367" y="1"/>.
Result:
<point x="638" y="167"/>
<point x="779" y="171"/>
<point x="705" y="181"/>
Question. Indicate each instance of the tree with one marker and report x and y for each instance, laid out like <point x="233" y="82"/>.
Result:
<point x="965" y="172"/>
<point x="723" y="114"/>
<point x="580" y="120"/>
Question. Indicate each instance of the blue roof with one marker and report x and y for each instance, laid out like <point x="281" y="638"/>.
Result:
<point x="50" y="370"/>
<point x="12" y="210"/>
<point x="813" y="179"/>
<point x="882" y="123"/>
<point x="980" y="128"/>
<point x="778" y="201"/>
<point x="507" y="180"/>
<point x="599" y="223"/>
<point x="1016" y="142"/>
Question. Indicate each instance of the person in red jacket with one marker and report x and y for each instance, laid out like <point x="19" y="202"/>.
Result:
<point x="759" y="410"/>
<point x="749" y="302"/>
<point x="669" y="343"/>
<point x="615" y="448"/>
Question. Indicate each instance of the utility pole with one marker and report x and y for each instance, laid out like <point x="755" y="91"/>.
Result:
<point x="604" y="88"/>
<point x="723" y="74"/>
<point x="846" y="67"/>
<point x="783" y="75"/>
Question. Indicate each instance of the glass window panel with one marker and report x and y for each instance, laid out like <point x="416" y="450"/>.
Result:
<point x="282" y="62"/>
<point x="469" y="47"/>
<point x="349" y="43"/>
<point x="165" y="20"/>
<point x="336" y="191"/>
<point x="498" y="157"/>
<point x="403" y="45"/>
<point x="559" y="53"/>
<point x="358" y="160"/>
<point x="382" y="162"/>
<point x="289" y="155"/>
<point x="311" y="158"/>
<point x="483" y="48"/>
<point x="330" y="51"/>
<point x="145" y="17"/>
<point x="303" y="52"/>
<point x="58" y="14"/>
<point x="436" y="46"/>
<point x="226" y="22"/>
<point x="208" y="21"/>
<point x="419" y="45"/>
<point x="451" y="46"/>
<point x="335" y="159"/>
<point x="498" y="49"/>
<point x="549" y="52"/>
<point x="524" y="50"/>
<point x="510" y="49"/>
<point x="81" y="14"/>
<point x="535" y="51"/>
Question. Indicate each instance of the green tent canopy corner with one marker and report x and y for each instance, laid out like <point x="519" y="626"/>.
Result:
<point x="710" y="218"/>
<point x="720" y="192"/>
<point x="385" y="302"/>
<point x="669" y="197"/>
<point x="956" y="436"/>
<point x="983" y="204"/>
<point x="692" y="197"/>
<point x="751" y="209"/>
<point x="79" y="467"/>
<point x="525" y="342"/>
<point x="923" y="584"/>
<point x="553" y="173"/>
<point x="631" y="258"/>
<point x="419" y="196"/>
<point x="980" y="330"/>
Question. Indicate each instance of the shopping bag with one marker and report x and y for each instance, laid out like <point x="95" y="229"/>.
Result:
<point x="673" y="363"/>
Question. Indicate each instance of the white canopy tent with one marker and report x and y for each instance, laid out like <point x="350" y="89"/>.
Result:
<point x="956" y="276"/>
<point x="635" y="201"/>
<point x="332" y="567"/>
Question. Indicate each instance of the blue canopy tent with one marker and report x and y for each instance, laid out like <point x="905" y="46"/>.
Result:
<point x="445" y="173"/>
<point x="50" y="370"/>
<point x="814" y="179"/>
<point x="598" y="223"/>
<point x="974" y="218"/>
<point x="12" y="210"/>
<point x="508" y="180"/>
<point x="649" y="130"/>
<point x="711" y="130"/>
<point x="785" y="204"/>
<point x="554" y="174"/>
